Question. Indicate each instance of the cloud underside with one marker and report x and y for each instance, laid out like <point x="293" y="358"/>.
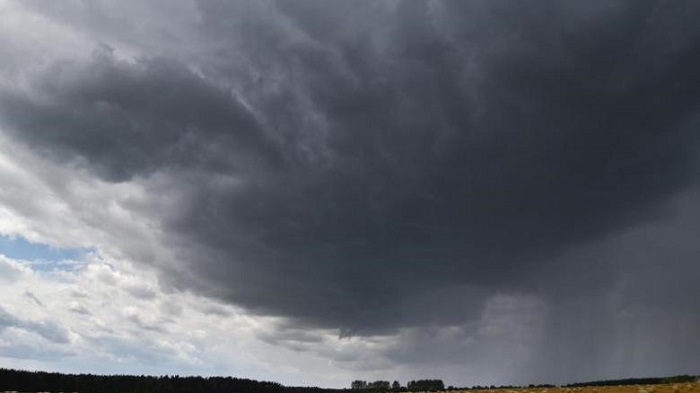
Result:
<point x="371" y="167"/>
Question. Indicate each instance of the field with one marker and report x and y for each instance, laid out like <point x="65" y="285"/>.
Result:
<point x="686" y="387"/>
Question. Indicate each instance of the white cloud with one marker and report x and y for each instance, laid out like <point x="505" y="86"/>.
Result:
<point x="91" y="317"/>
<point x="108" y="314"/>
<point x="103" y="310"/>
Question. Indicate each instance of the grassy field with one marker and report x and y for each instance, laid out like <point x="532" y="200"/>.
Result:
<point x="686" y="387"/>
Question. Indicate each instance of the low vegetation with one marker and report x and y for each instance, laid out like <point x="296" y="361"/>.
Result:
<point x="678" y="387"/>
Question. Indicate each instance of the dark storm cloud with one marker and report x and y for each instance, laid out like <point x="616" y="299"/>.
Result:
<point x="124" y="119"/>
<point x="370" y="165"/>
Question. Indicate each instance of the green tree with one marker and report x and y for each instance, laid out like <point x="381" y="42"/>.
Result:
<point x="379" y="385"/>
<point x="358" y="384"/>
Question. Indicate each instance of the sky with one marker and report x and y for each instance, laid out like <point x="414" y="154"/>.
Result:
<point x="318" y="191"/>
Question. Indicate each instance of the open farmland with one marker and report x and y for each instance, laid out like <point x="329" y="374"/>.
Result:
<point x="689" y="387"/>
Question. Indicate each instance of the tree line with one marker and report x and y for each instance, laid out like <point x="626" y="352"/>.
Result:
<point x="39" y="381"/>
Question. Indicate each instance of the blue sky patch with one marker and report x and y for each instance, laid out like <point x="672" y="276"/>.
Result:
<point x="45" y="256"/>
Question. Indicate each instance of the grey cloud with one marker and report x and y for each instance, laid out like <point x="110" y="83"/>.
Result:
<point x="129" y="350"/>
<point x="124" y="119"/>
<point x="7" y="319"/>
<point x="34" y="352"/>
<point x="217" y="310"/>
<point x="9" y="271"/>
<point x="298" y="338"/>
<point x="501" y="344"/>
<point x="377" y="166"/>
<point x="639" y="308"/>
<point x="80" y="309"/>
<point x="34" y="298"/>
<point x="449" y="155"/>
<point x="141" y="324"/>
<point x="46" y="329"/>
<point x="171" y="308"/>
<point x="145" y="322"/>
<point x="141" y="292"/>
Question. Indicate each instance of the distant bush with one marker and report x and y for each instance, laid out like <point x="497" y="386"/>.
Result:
<point x="428" y="385"/>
